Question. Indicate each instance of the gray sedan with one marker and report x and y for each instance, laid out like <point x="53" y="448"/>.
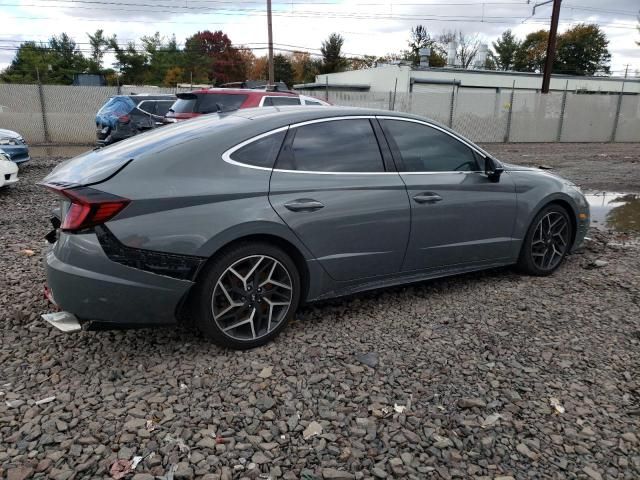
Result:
<point x="235" y="219"/>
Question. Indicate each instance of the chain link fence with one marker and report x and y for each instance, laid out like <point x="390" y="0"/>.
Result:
<point x="59" y="114"/>
<point x="506" y="115"/>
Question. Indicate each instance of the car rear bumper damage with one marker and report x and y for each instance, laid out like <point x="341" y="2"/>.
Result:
<point x="117" y="297"/>
<point x="63" y="321"/>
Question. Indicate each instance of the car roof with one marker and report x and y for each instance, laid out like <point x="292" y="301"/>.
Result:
<point x="285" y="115"/>
<point x="153" y="96"/>
<point x="245" y="91"/>
<point x="301" y="113"/>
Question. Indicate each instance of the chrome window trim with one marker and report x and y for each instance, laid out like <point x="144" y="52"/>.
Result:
<point x="436" y="127"/>
<point x="226" y="156"/>
<point x="142" y="109"/>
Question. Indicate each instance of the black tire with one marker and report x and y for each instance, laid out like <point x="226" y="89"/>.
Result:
<point x="207" y="295"/>
<point x="533" y="262"/>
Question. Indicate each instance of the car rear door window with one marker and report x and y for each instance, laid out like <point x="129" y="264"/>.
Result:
<point x="148" y="106"/>
<point x="426" y="149"/>
<point x="333" y="146"/>
<point x="163" y="106"/>
<point x="280" y="101"/>
<point x="261" y="152"/>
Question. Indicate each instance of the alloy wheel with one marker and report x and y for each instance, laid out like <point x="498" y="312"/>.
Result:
<point x="252" y="297"/>
<point x="550" y="241"/>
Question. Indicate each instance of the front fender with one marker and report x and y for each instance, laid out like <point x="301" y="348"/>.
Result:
<point x="535" y="190"/>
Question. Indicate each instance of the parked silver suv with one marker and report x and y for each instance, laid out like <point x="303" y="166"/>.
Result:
<point x="239" y="217"/>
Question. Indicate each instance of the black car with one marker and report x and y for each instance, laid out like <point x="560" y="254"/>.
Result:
<point x="124" y="116"/>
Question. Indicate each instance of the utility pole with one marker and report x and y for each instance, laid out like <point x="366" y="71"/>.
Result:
<point x="551" y="46"/>
<point x="271" y="74"/>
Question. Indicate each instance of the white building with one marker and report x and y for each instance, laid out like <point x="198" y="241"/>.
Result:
<point x="405" y="78"/>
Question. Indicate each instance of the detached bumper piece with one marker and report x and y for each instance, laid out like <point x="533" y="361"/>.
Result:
<point x="63" y="321"/>
<point x="181" y="267"/>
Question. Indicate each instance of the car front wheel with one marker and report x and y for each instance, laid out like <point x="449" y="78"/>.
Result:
<point x="547" y="242"/>
<point x="247" y="295"/>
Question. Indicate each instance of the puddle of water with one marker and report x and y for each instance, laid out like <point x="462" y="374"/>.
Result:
<point x="615" y="211"/>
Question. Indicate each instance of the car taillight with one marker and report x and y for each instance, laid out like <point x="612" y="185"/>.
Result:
<point x="124" y="119"/>
<point x="89" y="207"/>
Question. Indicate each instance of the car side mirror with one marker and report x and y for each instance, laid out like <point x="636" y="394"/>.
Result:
<point x="493" y="169"/>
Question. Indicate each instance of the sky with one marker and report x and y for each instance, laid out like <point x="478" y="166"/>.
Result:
<point x="372" y="27"/>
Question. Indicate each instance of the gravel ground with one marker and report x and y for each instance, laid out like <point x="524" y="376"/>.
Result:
<point x="597" y="166"/>
<point x="460" y="378"/>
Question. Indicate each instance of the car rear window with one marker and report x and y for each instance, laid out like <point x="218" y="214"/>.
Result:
<point x="278" y="101"/>
<point x="184" y="105"/>
<point x="162" y="106"/>
<point x="214" y="102"/>
<point x="117" y="106"/>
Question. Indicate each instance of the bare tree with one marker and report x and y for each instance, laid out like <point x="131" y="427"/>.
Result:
<point x="468" y="45"/>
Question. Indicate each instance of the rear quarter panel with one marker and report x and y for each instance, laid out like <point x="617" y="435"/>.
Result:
<point x="187" y="200"/>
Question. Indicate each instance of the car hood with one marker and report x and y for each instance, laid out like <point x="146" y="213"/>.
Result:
<point x="8" y="133"/>
<point x="520" y="168"/>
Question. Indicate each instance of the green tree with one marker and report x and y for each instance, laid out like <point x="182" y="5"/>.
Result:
<point x="65" y="59"/>
<point x="30" y="60"/>
<point x="162" y="55"/>
<point x="504" y="51"/>
<point x="332" y="59"/>
<point x="490" y="63"/>
<point x="304" y="67"/>
<point x="582" y="50"/>
<point x="420" y="39"/>
<point x="54" y="62"/>
<point x="532" y="52"/>
<point x="98" y="44"/>
<point x="131" y="63"/>
<point x="282" y="69"/>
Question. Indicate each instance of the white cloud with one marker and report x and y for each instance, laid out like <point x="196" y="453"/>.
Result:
<point x="369" y="26"/>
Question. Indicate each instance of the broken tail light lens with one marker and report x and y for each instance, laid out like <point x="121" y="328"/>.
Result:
<point x="124" y="118"/>
<point x="88" y="207"/>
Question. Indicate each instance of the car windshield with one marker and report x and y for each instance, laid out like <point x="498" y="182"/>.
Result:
<point x="184" y="105"/>
<point x="117" y="106"/>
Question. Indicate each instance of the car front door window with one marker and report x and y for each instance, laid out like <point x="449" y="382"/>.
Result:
<point x="426" y="149"/>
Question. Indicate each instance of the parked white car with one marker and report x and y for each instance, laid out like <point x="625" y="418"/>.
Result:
<point x="8" y="170"/>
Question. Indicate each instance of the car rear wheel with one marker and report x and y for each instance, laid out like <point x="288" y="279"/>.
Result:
<point x="547" y="242"/>
<point x="247" y="295"/>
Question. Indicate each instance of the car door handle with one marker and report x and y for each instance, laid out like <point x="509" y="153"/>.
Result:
<point x="427" y="197"/>
<point x="303" y="205"/>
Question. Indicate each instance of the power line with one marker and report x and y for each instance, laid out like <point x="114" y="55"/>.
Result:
<point x="74" y="4"/>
